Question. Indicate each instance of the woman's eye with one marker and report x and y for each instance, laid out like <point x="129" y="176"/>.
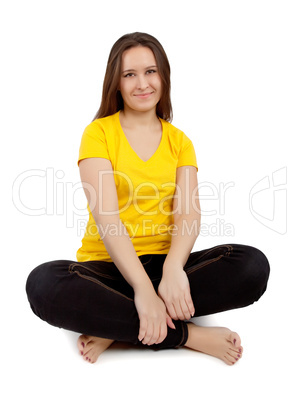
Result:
<point x="133" y="74"/>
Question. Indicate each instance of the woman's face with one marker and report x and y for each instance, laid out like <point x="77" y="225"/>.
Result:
<point x="140" y="82"/>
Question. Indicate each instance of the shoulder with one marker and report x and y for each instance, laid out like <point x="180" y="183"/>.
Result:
<point x="176" y="135"/>
<point x="103" y="124"/>
<point x="96" y="138"/>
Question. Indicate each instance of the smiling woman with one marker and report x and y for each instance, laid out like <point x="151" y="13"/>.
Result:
<point x="112" y="100"/>
<point x="140" y="82"/>
<point x="136" y="278"/>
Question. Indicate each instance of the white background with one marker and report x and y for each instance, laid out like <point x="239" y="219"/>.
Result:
<point x="234" y="93"/>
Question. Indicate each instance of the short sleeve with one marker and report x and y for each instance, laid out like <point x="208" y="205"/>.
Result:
<point x="187" y="155"/>
<point x="93" y="143"/>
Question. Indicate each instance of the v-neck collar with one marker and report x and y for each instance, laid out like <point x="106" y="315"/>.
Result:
<point x="131" y="148"/>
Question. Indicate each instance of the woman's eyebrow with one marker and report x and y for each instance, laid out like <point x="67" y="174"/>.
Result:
<point x="131" y="69"/>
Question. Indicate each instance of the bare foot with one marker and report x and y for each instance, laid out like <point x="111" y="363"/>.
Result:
<point x="215" y="341"/>
<point x="90" y="347"/>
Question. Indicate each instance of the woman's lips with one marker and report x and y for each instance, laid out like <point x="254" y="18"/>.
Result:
<point x="143" y="96"/>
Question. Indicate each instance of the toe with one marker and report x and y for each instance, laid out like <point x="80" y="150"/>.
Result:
<point x="234" y="356"/>
<point x="234" y="338"/>
<point x="88" y="348"/>
<point x="82" y="342"/>
<point x="93" y="356"/>
<point x="228" y="360"/>
<point x="87" y="357"/>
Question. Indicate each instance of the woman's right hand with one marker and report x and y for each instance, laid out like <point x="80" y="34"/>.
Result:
<point x="153" y="317"/>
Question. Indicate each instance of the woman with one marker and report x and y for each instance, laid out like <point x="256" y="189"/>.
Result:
<point x="135" y="278"/>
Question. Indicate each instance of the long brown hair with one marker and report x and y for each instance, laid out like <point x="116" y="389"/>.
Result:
<point x="111" y="100"/>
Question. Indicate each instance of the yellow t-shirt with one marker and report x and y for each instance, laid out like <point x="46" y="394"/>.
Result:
<point x="145" y="189"/>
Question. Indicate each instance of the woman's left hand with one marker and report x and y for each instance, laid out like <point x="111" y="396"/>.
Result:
<point x="174" y="290"/>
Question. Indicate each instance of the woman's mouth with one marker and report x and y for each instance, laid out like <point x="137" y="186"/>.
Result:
<point x="143" y="96"/>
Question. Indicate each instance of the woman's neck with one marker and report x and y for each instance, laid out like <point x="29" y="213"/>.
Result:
<point x="133" y="119"/>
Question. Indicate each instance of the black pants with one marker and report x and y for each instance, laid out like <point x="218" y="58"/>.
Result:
<point x="93" y="298"/>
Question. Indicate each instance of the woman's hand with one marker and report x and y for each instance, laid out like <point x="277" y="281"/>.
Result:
<point x="153" y="316"/>
<point x="174" y="290"/>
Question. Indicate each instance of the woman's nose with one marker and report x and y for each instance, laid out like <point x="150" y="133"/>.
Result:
<point x="142" y="82"/>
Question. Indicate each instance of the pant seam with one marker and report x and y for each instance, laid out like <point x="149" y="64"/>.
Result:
<point x="199" y="266"/>
<point x="99" y="283"/>
<point x="107" y="276"/>
<point x="184" y="333"/>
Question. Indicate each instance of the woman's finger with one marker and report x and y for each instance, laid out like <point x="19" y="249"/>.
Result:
<point x="179" y="311"/>
<point x="170" y="322"/>
<point x="189" y="303"/>
<point x="155" y="334"/>
<point x="142" y="330"/>
<point x="172" y="311"/>
<point x="163" y="332"/>
<point x="148" y="334"/>
<point x="185" y="310"/>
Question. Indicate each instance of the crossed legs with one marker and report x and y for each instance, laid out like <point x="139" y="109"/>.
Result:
<point x="96" y="302"/>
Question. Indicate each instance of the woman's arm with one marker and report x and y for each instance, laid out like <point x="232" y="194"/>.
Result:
<point x="174" y="287"/>
<point x="187" y="216"/>
<point x="100" y="190"/>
